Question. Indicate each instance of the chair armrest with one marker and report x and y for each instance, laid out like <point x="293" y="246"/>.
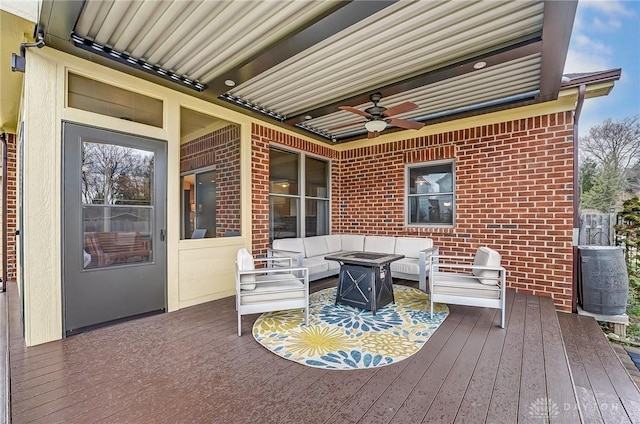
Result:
<point x="470" y="266"/>
<point x="431" y="250"/>
<point x="275" y="271"/>
<point x="280" y="253"/>
<point x="270" y="260"/>
<point x="457" y="258"/>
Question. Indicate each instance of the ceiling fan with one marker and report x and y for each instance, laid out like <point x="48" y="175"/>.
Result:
<point x="378" y="117"/>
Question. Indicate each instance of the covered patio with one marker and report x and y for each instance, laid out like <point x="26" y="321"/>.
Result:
<point x="479" y="89"/>
<point x="189" y="366"/>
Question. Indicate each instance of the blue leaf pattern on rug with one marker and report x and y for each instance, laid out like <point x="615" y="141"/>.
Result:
<point x="345" y="338"/>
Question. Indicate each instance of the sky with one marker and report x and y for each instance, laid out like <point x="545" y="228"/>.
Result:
<point x="606" y="35"/>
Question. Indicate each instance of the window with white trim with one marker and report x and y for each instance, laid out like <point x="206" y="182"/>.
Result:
<point x="430" y="194"/>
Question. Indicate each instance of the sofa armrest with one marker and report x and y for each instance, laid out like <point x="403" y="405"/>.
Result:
<point x="429" y="252"/>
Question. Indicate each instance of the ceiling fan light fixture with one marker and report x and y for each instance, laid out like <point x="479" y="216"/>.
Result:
<point x="375" y="125"/>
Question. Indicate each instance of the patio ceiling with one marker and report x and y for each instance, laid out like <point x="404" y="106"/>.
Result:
<point x="296" y="62"/>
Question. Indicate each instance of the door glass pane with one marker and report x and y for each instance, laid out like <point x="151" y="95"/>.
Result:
<point x="284" y="215"/>
<point x="117" y="205"/>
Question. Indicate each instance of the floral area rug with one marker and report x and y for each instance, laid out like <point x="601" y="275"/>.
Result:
<point x="346" y="338"/>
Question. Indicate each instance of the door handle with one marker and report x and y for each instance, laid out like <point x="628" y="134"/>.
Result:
<point x="163" y="234"/>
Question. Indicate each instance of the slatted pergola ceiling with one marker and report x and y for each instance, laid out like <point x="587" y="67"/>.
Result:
<point x="297" y="61"/>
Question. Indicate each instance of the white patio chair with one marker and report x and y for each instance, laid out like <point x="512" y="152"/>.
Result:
<point x="468" y="280"/>
<point x="270" y="288"/>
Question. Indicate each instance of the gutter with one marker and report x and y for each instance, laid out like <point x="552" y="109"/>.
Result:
<point x="576" y="197"/>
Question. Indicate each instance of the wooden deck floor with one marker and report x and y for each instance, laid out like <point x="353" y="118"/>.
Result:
<point x="189" y="366"/>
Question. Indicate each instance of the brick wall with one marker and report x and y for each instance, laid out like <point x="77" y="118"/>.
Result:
<point x="513" y="192"/>
<point x="222" y="149"/>
<point x="12" y="211"/>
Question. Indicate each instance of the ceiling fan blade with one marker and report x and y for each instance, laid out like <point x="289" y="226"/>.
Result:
<point x="354" y="110"/>
<point x="343" y="125"/>
<point x="401" y="108"/>
<point x="373" y="134"/>
<point x="404" y="123"/>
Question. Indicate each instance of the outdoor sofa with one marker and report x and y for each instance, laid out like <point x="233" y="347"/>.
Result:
<point x="310" y="252"/>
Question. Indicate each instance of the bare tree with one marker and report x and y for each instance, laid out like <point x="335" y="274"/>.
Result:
<point x="611" y="158"/>
<point x="112" y="174"/>
<point x="615" y="143"/>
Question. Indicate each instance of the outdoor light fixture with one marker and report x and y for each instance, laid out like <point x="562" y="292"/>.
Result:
<point x="376" y="125"/>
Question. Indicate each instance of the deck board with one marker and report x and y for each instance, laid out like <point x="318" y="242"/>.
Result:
<point x="533" y="386"/>
<point x="389" y="379"/>
<point x="421" y="397"/>
<point x="620" y="379"/>
<point x="558" y="375"/>
<point x="603" y="380"/>
<point x="190" y="366"/>
<point x="475" y="404"/>
<point x="447" y="402"/>
<point x="384" y="409"/>
<point x="505" y="396"/>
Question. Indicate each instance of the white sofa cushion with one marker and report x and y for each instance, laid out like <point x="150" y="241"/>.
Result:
<point x="406" y="266"/>
<point x="334" y="243"/>
<point x="379" y="244"/>
<point x="464" y="285"/>
<point x="410" y="246"/>
<point x="315" y="246"/>
<point x="245" y="263"/>
<point x="335" y="265"/>
<point x="487" y="257"/>
<point x="315" y="265"/>
<point x="352" y="242"/>
<point x="276" y="291"/>
<point x="290" y="244"/>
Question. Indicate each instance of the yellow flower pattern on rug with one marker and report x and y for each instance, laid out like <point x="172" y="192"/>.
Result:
<point x="345" y="338"/>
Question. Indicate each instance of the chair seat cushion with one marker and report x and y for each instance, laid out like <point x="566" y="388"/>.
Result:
<point x="283" y="289"/>
<point x="406" y="266"/>
<point x="463" y="285"/>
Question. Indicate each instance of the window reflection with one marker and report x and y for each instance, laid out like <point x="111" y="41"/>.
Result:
<point x="294" y="213"/>
<point x="431" y="197"/>
<point x="117" y="188"/>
